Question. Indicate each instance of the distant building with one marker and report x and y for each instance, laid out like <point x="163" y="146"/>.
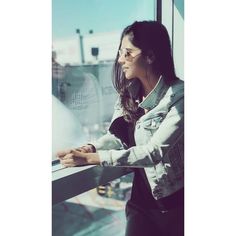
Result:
<point x="68" y="49"/>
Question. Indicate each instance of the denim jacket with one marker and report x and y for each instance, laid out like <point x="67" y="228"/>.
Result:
<point x="159" y="138"/>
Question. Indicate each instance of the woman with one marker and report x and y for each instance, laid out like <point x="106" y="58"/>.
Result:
<point x="146" y="131"/>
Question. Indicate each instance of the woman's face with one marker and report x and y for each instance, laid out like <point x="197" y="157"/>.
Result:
<point x="131" y="60"/>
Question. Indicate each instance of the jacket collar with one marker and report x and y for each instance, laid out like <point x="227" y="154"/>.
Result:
<point x="154" y="97"/>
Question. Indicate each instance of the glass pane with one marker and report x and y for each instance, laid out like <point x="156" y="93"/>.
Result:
<point x="173" y="19"/>
<point x="178" y="43"/>
<point x="86" y="37"/>
<point x="85" y="40"/>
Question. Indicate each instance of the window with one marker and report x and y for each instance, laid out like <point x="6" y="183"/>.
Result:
<point x="173" y="19"/>
<point x="85" y="41"/>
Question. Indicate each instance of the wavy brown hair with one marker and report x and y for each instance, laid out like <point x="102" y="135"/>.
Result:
<point x="149" y="36"/>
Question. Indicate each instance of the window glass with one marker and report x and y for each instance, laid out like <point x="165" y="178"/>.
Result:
<point x="85" y="41"/>
<point x="178" y="41"/>
<point x="173" y="19"/>
<point x="86" y="37"/>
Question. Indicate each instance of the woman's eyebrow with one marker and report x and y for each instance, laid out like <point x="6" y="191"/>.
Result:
<point x="129" y="49"/>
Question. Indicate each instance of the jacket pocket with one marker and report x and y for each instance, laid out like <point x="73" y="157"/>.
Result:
<point x="153" y="123"/>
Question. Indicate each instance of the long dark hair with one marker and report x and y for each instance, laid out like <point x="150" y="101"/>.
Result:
<point x="149" y="36"/>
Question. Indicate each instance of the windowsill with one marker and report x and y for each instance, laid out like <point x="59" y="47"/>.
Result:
<point x="70" y="182"/>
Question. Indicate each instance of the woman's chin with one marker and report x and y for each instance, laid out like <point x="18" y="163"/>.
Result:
<point x="128" y="77"/>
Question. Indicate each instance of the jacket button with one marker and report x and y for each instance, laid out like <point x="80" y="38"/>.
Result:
<point x="138" y="126"/>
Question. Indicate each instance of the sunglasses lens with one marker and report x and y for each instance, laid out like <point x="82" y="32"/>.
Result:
<point x="127" y="55"/>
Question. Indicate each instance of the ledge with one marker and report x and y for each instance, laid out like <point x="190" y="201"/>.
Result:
<point x="69" y="182"/>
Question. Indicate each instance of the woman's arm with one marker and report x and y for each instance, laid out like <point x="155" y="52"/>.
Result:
<point x="168" y="133"/>
<point x="150" y="154"/>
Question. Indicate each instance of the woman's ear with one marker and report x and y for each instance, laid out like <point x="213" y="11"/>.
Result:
<point x="149" y="61"/>
<point x="150" y="57"/>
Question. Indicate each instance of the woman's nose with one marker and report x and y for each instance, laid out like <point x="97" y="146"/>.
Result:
<point x="121" y="59"/>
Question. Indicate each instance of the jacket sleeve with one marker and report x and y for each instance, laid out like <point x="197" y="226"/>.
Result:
<point x="107" y="142"/>
<point x="169" y="132"/>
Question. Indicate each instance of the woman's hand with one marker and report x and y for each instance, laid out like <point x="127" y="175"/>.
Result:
<point x="87" y="148"/>
<point x="79" y="156"/>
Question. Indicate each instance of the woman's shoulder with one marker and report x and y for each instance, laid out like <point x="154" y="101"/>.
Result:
<point x="174" y="93"/>
<point x="177" y="88"/>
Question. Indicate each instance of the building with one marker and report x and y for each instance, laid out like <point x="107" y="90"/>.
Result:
<point x="69" y="50"/>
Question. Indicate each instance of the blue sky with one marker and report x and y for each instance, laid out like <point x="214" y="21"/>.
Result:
<point x="99" y="15"/>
